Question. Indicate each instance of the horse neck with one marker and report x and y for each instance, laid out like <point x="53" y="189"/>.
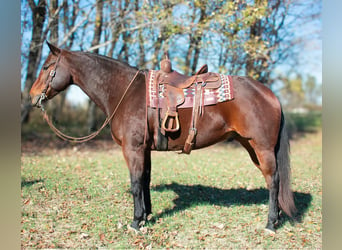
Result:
<point x="104" y="80"/>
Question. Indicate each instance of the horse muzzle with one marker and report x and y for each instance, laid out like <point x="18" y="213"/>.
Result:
<point x="39" y="100"/>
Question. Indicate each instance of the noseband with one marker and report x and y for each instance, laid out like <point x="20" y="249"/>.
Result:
<point x="48" y="81"/>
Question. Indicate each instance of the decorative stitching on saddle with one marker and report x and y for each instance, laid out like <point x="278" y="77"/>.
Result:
<point x="152" y="93"/>
<point x="222" y="94"/>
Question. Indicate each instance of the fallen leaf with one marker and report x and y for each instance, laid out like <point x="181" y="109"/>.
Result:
<point x="218" y="225"/>
<point x="102" y="236"/>
<point x="84" y="236"/>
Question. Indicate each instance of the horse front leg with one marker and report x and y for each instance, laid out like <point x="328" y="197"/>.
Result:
<point x="138" y="199"/>
<point x="139" y="164"/>
<point x="146" y="184"/>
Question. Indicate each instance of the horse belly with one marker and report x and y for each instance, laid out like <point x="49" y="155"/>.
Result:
<point x="211" y="127"/>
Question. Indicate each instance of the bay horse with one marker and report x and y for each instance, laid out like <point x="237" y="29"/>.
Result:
<point x="254" y="118"/>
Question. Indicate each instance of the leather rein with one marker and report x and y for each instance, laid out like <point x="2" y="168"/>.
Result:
<point x="60" y="134"/>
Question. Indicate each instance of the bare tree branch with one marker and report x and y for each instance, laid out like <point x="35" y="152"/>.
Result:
<point x="78" y="25"/>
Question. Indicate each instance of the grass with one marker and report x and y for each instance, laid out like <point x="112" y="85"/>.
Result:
<point x="79" y="197"/>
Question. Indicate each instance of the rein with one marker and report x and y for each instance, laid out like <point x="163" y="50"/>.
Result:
<point x="92" y="135"/>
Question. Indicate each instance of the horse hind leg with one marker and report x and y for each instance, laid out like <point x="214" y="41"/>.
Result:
<point x="281" y="195"/>
<point x="269" y="170"/>
<point x="275" y="166"/>
<point x="265" y="160"/>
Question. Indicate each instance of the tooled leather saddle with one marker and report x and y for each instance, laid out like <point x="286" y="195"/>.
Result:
<point x="168" y="90"/>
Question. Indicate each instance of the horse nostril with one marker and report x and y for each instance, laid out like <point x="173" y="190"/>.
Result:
<point x="35" y="101"/>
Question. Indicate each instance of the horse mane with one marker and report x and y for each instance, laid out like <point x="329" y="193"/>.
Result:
<point x="111" y="60"/>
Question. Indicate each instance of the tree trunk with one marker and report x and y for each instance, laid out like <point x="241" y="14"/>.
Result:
<point x="252" y="61"/>
<point x="142" y="61"/>
<point x="57" y="103"/>
<point x="38" y="19"/>
<point x="196" y="54"/>
<point x="194" y="44"/>
<point x="115" y="29"/>
<point x="54" y="22"/>
<point x="157" y="49"/>
<point x="164" y="35"/>
<point x="92" y="110"/>
<point x="68" y="21"/>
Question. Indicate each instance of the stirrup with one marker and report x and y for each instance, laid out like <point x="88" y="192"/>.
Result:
<point x="170" y="119"/>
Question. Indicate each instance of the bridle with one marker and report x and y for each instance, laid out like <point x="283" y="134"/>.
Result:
<point x="60" y="134"/>
<point x="48" y="81"/>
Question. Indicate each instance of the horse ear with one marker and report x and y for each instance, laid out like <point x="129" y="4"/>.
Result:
<point x="54" y="50"/>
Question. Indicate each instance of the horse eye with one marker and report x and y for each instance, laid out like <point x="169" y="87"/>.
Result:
<point x="45" y="67"/>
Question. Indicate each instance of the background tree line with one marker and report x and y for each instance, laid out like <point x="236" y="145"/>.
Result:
<point x="233" y="37"/>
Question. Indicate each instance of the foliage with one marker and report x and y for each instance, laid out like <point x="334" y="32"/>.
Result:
<point x="299" y="123"/>
<point x="248" y="37"/>
<point x="233" y="37"/>
<point x="78" y="197"/>
<point x="298" y="92"/>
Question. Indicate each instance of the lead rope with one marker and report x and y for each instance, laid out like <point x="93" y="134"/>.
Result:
<point x="91" y="136"/>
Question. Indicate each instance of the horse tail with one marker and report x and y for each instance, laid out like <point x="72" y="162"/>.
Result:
<point x="285" y="195"/>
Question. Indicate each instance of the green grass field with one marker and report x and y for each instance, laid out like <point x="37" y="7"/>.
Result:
<point x="79" y="197"/>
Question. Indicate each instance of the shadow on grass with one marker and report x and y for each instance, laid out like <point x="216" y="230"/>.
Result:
<point x="28" y="183"/>
<point x="193" y="195"/>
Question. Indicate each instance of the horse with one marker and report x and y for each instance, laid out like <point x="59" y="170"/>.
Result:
<point x="254" y="118"/>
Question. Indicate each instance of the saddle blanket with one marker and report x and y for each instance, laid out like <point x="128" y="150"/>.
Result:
<point x="211" y="96"/>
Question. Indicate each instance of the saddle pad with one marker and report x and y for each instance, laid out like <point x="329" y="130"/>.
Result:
<point x="211" y="96"/>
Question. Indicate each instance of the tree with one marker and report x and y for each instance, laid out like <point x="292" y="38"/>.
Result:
<point x="92" y="110"/>
<point x="313" y="91"/>
<point x="195" y="36"/>
<point x="58" y="103"/>
<point x="39" y="27"/>
<point x="35" y="52"/>
<point x="117" y="13"/>
<point x="233" y="37"/>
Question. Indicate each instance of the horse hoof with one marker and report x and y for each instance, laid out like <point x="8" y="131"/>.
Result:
<point x="147" y="217"/>
<point x="270" y="231"/>
<point x="133" y="228"/>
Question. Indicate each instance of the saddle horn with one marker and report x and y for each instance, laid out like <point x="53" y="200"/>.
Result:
<point x="165" y="64"/>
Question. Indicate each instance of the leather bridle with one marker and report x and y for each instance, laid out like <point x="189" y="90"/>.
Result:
<point x="48" y="81"/>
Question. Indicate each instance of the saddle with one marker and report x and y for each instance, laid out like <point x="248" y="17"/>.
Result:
<point x="175" y="85"/>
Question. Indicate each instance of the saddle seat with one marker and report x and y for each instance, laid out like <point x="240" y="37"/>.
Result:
<point x="174" y="84"/>
<point x="175" y="79"/>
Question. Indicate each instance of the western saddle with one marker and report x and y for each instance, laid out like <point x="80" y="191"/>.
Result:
<point x="174" y="84"/>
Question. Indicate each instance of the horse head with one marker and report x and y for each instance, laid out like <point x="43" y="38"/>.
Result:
<point x="53" y="78"/>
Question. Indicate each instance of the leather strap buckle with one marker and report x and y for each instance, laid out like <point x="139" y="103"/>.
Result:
<point x="52" y="73"/>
